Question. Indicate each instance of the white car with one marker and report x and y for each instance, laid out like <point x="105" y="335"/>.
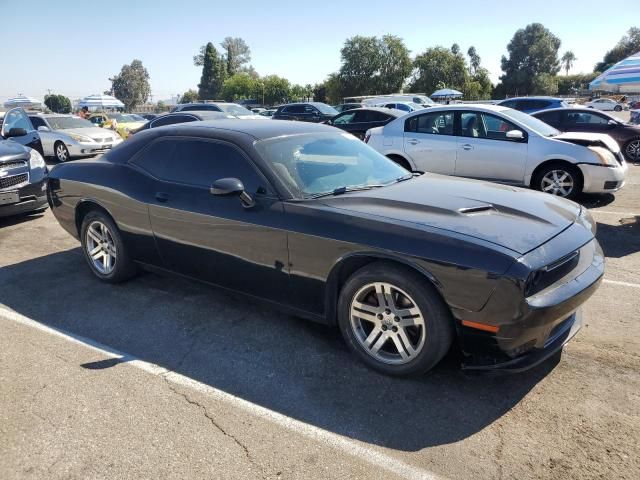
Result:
<point x="404" y="106"/>
<point x="499" y="144"/>
<point x="67" y="136"/>
<point x="399" y="97"/>
<point x="605" y="104"/>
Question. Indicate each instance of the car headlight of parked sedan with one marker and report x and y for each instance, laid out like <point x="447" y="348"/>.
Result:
<point x="605" y="156"/>
<point x="80" y="138"/>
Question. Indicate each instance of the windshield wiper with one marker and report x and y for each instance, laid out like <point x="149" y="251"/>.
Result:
<point x="345" y="189"/>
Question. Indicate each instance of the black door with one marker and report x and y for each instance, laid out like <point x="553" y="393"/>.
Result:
<point x="17" y="126"/>
<point x="216" y="238"/>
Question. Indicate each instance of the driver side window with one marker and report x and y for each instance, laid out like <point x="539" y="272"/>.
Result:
<point x="16" y="119"/>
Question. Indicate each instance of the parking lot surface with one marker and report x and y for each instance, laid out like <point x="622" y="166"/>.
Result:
<point x="161" y="377"/>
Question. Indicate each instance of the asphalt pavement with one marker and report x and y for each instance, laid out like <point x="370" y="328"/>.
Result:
<point x="161" y="377"/>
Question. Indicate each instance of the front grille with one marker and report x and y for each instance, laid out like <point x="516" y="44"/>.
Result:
<point x="8" y="182"/>
<point x="610" y="185"/>
<point x="12" y="164"/>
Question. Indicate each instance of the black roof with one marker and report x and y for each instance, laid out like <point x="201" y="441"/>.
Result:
<point x="259" y="129"/>
<point x="201" y="114"/>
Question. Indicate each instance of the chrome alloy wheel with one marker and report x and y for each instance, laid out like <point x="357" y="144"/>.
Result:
<point x="387" y="323"/>
<point x="62" y="154"/>
<point x="633" y="150"/>
<point x="557" y="182"/>
<point x="101" y="247"/>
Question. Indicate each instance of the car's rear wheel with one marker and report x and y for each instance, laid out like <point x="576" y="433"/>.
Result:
<point x="104" y="249"/>
<point x="562" y="180"/>
<point x="61" y="152"/>
<point x="394" y="320"/>
<point x="632" y="150"/>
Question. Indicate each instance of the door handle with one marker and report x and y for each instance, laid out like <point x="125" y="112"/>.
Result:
<point x="162" y="197"/>
<point x="466" y="146"/>
<point x="413" y="141"/>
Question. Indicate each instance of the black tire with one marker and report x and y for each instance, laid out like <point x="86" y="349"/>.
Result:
<point x="438" y="322"/>
<point x="572" y="171"/>
<point x="631" y="150"/>
<point x="617" y="108"/>
<point x="123" y="267"/>
<point x="61" y="152"/>
<point x="400" y="161"/>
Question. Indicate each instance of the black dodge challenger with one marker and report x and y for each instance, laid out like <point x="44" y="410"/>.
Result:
<point x="309" y="218"/>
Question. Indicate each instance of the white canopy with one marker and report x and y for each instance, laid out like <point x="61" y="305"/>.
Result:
<point x="103" y="101"/>
<point x="22" y="101"/>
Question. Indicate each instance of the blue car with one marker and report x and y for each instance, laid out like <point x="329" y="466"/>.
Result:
<point x="533" y="104"/>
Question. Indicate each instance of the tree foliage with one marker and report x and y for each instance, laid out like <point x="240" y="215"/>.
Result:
<point x="372" y="65"/>
<point x="474" y="60"/>
<point x="214" y="72"/>
<point x="241" y="86"/>
<point x="131" y="85"/>
<point x="533" y="51"/>
<point x="58" y="103"/>
<point x="189" y="96"/>
<point x="438" y="66"/>
<point x="628" y="45"/>
<point x="571" y="84"/>
<point x="238" y="54"/>
<point x="567" y="61"/>
<point x="276" y="89"/>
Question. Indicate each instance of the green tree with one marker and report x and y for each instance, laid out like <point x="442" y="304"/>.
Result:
<point x="567" y="61"/>
<point x="57" y="103"/>
<point x="296" y="93"/>
<point x="373" y="65"/>
<point x="545" y="84"/>
<point x="276" y="89"/>
<point x="189" y="96"/>
<point x="628" y="45"/>
<point x="474" y="60"/>
<point x="160" y="107"/>
<point x="238" y="54"/>
<point x="213" y="74"/>
<point x="478" y="86"/>
<point x="131" y="85"/>
<point x="533" y="51"/>
<point x="572" y="84"/>
<point x="439" y="67"/>
<point x="320" y="92"/>
<point x="455" y="49"/>
<point x="241" y="86"/>
<point x="333" y="88"/>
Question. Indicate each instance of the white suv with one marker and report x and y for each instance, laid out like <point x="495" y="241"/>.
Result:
<point x="498" y="144"/>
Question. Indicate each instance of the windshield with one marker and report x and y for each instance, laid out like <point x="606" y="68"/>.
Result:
<point x="133" y="117"/>
<point x="533" y="123"/>
<point x="238" y="110"/>
<point x="313" y="164"/>
<point x="326" y="109"/>
<point x="62" y="123"/>
<point x="423" y="101"/>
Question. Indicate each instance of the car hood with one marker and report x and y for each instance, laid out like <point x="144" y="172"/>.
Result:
<point x="10" y="150"/>
<point x="589" y="140"/>
<point x="514" y="218"/>
<point x="92" y="132"/>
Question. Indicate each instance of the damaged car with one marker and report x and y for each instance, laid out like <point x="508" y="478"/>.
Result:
<point x="499" y="144"/>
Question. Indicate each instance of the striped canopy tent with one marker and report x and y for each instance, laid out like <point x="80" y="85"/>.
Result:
<point x="100" y="101"/>
<point x="23" y="101"/>
<point x="623" y="77"/>
<point x="446" y="93"/>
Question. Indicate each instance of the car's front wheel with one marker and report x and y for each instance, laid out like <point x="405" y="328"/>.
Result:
<point x="394" y="319"/>
<point x="562" y="179"/>
<point x="617" y="108"/>
<point x="104" y="249"/>
<point x="632" y="150"/>
<point x="61" y="152"/>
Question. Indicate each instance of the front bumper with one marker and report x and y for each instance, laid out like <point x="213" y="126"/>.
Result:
<point x="32" y="197"/>
<point x="600" y="179"/>
<point x="87" y="149"/>
<point x="532" y="328"/>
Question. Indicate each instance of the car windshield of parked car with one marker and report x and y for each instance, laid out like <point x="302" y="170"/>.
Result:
<point x="317" y="164"/>
<point x="135" y="118"/>
<point x="62" y="123"/>
<point x="532" y="123"/>
<point x="236" y="110"/>
<point x="326" y="109"/>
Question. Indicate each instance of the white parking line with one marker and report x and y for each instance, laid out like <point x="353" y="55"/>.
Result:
<point x="610" y="212"/>
<point x="333" y="440"/>
<point x="624" y="284"/>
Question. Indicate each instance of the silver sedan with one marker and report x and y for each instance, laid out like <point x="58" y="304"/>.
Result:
<point x="67" y="136"/>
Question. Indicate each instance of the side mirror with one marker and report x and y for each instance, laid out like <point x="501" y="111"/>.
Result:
<point x="16" y="132"/>
<point x="42" y="128"/>
<point x="226" y="187"/>
<point x="612" y="123"/>
<point x="515" y="135"/>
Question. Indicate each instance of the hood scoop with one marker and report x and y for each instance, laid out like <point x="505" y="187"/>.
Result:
<point x="476" y="209"/>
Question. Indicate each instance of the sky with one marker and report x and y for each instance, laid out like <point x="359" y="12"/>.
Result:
<point x="72" y="47"/>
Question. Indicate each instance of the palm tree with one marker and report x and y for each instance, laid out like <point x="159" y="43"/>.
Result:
<point x="567" y="60"/>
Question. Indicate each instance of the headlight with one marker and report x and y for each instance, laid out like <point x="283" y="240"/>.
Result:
<point x="36" y="160"/>
<point x="586" y="219"/>
<point x="605" y="156"/>
<point x="80" y="138"/>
